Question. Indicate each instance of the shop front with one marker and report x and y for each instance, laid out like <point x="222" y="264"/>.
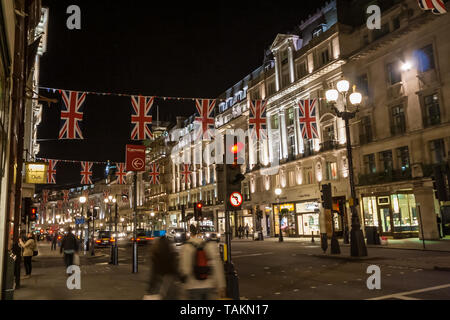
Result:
<point x="301" y="220"/>
<point x="393" y="214"/>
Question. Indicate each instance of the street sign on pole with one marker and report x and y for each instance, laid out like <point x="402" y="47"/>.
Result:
<point x="135" y="158"/>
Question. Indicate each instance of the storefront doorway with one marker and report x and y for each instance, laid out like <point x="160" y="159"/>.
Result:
<point x="393" y="215"/>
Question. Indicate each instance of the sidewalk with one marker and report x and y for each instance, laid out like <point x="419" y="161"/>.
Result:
<point x="49" y="281"/>
<point x="406" y="244"/>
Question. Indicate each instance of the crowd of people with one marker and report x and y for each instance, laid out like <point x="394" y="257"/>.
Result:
<point x="196" y="273"/>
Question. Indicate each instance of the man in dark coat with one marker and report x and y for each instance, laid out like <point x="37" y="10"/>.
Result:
<point x="70" y="246"/>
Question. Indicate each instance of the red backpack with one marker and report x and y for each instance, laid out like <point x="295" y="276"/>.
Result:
<point x="200" y="268"/>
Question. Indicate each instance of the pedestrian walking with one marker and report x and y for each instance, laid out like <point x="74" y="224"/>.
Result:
<point x="201" y="269"/>
<point x="240" y="231"/>
<point x="54" y="242"/>
<point x="164" y="270"/>
<point x="247" y="230"/>
<point x="69" y="245"/>
<point x="29" y="247"/>
<point x="439" y="225"/>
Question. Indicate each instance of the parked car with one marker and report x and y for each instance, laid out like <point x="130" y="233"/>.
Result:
<point x="209" y="233"/>
<point x="177" y="235"/>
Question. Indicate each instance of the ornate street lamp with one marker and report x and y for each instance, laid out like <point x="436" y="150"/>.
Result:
<point x="357" y="244"/>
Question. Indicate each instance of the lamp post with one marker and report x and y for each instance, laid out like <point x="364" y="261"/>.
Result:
<point x="278" y="192"/>
<point x="83" y="200"/>
<point x="357" y="244"/>
<point x="110" y="200"/>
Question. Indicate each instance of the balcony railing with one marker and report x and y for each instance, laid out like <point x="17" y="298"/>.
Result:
<point x="328" y="145"/>
<point x="384" y="177"/>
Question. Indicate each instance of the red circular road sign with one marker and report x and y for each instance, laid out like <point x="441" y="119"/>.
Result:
<point x="236" y="199"/>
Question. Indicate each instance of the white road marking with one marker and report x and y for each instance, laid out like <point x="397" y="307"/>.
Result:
<point x="277" y="293"/>
<point x="296" y="290"/>
<point x="253" y="255"/>
<point x="402" y="294"/>
<point x="313" y="287"/>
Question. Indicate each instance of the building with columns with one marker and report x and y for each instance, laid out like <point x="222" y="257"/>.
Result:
<point x="402" y="128"/>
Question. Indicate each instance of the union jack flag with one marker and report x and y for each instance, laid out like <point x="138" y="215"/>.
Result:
<point x="186" y="173"/>
<point x="121" y="173"/>
<point x="141" y="118"/>
<point x="86" y="172"/>
<point x="257" y="120"/>
<point x="51" y="171"/>
<point x="71" y="115"/>
<point x="154" y="173"/>
<point x="308" y="120"/>
<point x="106" y="194"/>
<point x="66" y="196"/>
<point x="75" y="205"/>
<point x="205" y="109"/>
<point x="44" y="196"/>
<point x="60" y="204"/>
<point x="436" y="6"/>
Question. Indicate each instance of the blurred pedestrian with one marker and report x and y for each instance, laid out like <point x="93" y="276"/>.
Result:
<point x="247" y="230"/>
<point x="164" y="270"/>
<point x="54" y="242"/>
<point x="29" y="247"/>
<point x="439" y="225"/>
<point x="69" y="245"/>
<point x="240" y="231"/>
<point x="202" y="269"/>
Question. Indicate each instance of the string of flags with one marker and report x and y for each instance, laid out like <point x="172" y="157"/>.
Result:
<point x="54" y="90"/>
<point x="86" y="171"/>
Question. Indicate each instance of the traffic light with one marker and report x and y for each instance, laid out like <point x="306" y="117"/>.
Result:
<point x="327" y="200"/>
<point x="198" y="211"/>
<point x="33" y="214"/>
<point x="26" y="209"/>
<point x="439" y="184"/>
<point x="233" y="179"/>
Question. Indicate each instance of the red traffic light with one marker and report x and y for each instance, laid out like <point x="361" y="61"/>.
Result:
<point x="199" y="205"/>
<point x="236" y="148"/>
<point x="33" y="210"/>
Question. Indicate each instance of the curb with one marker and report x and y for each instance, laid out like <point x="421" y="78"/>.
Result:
<point x="437" y="268"/>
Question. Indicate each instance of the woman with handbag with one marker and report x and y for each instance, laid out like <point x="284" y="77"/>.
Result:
<point x="29" y="249"/>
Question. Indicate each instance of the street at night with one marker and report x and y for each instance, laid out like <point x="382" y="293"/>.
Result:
<point x="225" y="158"/>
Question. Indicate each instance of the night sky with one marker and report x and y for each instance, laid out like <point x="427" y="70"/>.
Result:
<point x="167" y="48"/>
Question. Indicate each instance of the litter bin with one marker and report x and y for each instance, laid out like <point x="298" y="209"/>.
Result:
<point x="8" y="291"/>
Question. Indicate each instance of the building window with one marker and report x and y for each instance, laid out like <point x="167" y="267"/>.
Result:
<point x="398" y="124"/>
<point x="301" y="69"/>
<point x="394" y="73"/>
<point x="308" y="148"/>
<point x="386" y="161"/>
<point x="366" y="130"/>
<point x="331" y="171"/>
<point x="437" y="149"/>
<point x="403" y="158"/>
<point x="271" y="88"/>
<point x="328" y="133"/>
<point x="274" y="121"/>
<point x="432" y="114"/>
<point x="362" y="84"/>
<point x="396" y="23"/>
<point x="369" y="163"/>
<point x="324" y="57"/>
<point x="425" y="58"/>
<point x="290" y="117"/>
<point x="291" y="147"/>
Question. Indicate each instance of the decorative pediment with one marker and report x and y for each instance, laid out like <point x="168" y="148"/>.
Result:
<point x="282" y="39"/>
